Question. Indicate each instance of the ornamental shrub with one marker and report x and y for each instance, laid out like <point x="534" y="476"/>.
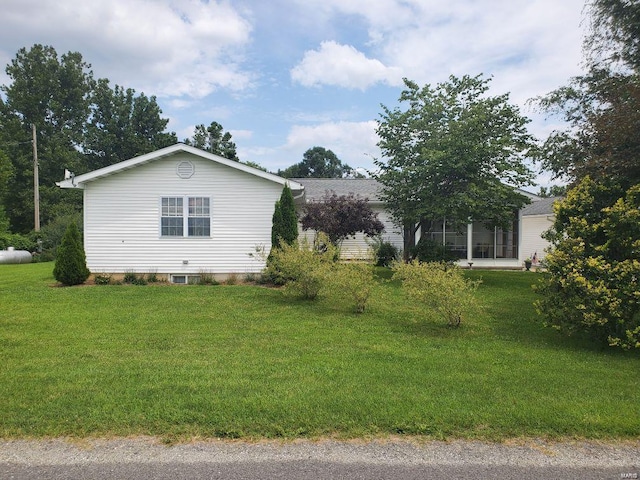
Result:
<point x="592" y="283"/>
<point x="303" y="269"/>
<point x="284" y="227"/>
<point x="428" y="250"/>
<point x="440" y="286"/>
<point x="71" y="265"/>
<point x="352" y="282"/>
<point x="385" y="253"/>
<point x="289" y="229"/>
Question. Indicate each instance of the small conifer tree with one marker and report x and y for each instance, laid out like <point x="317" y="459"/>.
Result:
<point x="285" y="220"/>
<point x="289" y="231"/>
<point x="276" y="225"/>
<point x="71" y="265"/>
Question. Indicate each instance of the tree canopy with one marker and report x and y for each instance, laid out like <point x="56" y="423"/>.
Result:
<point x="341" y="217"/>
<point x="213" y="139"/>
<point x="453" y="152"/>
<point x="602" y="107"/>
<point x="318" y="162"/>
<point x="122" y="126"/>
<point x="81" y="123"/>
<point x="594" y="265"/>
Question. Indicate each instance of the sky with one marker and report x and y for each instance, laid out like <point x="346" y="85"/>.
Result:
<point x="283" y="76"/>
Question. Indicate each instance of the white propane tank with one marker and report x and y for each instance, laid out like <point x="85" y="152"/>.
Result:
<point x="11" y="255"/>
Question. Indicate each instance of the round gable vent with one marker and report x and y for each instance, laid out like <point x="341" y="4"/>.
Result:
<point x="185" y="169"/>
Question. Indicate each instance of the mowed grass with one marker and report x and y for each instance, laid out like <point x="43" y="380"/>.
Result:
<point x="243" y="362"/>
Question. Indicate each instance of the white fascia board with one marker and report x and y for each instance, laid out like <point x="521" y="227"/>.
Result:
<point x="81" y="180"/>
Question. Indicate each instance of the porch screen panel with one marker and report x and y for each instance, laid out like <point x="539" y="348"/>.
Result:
<point x="483" y="241"/>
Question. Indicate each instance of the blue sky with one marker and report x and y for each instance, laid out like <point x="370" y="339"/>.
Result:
<point x="286" y="75"/>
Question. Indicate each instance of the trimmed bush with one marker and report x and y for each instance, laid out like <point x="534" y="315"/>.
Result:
<point x="71" y="264"/>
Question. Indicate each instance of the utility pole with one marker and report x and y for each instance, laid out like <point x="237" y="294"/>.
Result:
<point x="36" y="180"/>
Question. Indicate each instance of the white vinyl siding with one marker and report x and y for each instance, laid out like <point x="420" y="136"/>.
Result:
<point x="533" y="226"/>
<point x="123" y="211"/>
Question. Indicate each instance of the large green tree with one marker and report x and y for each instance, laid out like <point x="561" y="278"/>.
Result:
<point x="81" y="123"/>
<point x="602" y="107"/>
<point x="51" y="93"/>
<point x="318" y="162"/>
<point x="594" y="265"/>
<point x="123" y="125"/>
<point x="215" y="140"/>
<point x="453" y="151"/>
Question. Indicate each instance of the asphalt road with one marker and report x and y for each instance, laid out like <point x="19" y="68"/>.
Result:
<point x="145" y="458"/>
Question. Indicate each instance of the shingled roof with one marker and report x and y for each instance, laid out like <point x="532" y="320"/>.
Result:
<point x="544" y="206"/>
<point x="316" y="188"/>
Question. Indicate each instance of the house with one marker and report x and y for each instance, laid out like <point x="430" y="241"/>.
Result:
<point x="177" y="212"/>
<point x="180" y="212"/>
<point x="483" y="247"/>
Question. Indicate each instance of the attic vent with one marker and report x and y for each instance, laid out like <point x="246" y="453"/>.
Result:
<point x="185" y="169"/>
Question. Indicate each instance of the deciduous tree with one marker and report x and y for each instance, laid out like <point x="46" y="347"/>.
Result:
<point x="340" y="217"/>
<point x="123" y="125"/>
<point x="453" y="152"/>
<point x="318" y="162"/>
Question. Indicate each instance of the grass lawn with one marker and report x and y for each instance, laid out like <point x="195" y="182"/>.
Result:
<point x="242" y="361"/>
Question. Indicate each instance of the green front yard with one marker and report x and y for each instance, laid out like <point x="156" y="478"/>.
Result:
<point x="242" y="361"/>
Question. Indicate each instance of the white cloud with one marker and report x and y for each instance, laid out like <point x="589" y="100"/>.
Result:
<point x="525" y="44"/>
<point x="353" y="142"/>
<point x="241" y="134"/>
<point x="344" y="66"/>
<point x="170" y="48"/>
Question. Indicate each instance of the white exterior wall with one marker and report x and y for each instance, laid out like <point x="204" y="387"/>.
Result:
<point x="533" y="226"/>
<point x="122" y="219"/>
<point x="358" y="247"/>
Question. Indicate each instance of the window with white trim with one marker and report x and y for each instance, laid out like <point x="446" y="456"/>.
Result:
<point x="185" y="217"/>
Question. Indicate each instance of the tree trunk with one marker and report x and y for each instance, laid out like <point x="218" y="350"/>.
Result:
<point x="409" y="235"/>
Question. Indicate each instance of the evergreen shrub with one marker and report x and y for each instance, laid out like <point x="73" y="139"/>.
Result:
<point x="71" y="265"/>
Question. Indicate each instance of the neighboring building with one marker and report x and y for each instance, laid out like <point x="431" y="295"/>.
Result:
<point x="177" y="212"/>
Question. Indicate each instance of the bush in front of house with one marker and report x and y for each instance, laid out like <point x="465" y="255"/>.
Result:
<point x="302" y="269"/>
<point x="385" y="253"/>
<point x="352" y="282"/>
<point x="593" y="271"/>
<point x="71" y="265"/>
<point x="441" y="286"/>
<point x="428" y="250"/>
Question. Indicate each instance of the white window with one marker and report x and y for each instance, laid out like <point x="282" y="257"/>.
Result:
<point x="185" y="217"/>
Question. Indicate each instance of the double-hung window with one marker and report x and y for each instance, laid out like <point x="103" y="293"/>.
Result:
<point x="185" y="217"/>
